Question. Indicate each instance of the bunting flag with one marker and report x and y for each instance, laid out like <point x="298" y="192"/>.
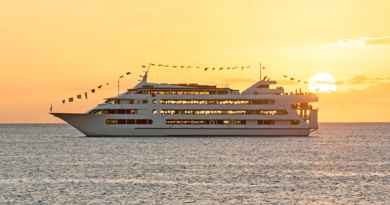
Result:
<point x="294" y="79"/>
<point x="143" y="66"/>
<point x="200" y="67"/>
<point x="94" y="90"/>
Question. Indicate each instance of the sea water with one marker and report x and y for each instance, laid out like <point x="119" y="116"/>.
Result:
<point x="55" y="164"/>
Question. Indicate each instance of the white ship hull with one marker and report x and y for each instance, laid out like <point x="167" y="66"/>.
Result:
<point x="94" y="126"/>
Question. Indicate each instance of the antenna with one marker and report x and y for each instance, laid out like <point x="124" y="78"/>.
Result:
<point x="260" y="70"/>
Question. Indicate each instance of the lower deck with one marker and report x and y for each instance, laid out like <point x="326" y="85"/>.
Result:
<point x="92" y="125"/>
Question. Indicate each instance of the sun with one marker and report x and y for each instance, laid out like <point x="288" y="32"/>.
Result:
<point x="322" y="83"/>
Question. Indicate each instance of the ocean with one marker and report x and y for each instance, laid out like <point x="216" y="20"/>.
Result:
<point x="342" y="163"/>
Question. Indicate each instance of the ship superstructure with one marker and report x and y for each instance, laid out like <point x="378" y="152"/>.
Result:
<point x="157" y="109"/>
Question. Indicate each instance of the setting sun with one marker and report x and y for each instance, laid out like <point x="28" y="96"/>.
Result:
<point x="322" y="83"/>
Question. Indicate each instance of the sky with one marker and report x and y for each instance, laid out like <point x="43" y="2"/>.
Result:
<point x="51" y="50"/>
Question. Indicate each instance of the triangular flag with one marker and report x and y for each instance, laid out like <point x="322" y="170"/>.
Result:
<point x="70" y="99"/>
<point x="86" y="95"/>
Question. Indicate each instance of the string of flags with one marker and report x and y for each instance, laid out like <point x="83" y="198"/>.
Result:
<point x="204" y="68"/>
<point x="295" y="80"/>
<point x="85" y="94"/>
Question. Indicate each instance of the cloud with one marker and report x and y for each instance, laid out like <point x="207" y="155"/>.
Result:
<point x="363" y="79"/>
<point x="379" y="40"/>
<point x="362" y="42"/>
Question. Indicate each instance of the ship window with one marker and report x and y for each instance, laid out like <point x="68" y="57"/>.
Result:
<point x="144" y="101"/>
<point x="117" y="102"/>
<point x="115" y="111"/>
<point x="204" y="122"/>
<point x="294" y="122"/>
<point x="111" y="122"/>
<point x="128" y="121"/>
<point x="121" y="121"/>
<point x="265" y="122"/>
<point x="263" y="86"/>
<point x="219" y="101"/>
<point x="239" y="122"/>
<point x="223" y="112"/>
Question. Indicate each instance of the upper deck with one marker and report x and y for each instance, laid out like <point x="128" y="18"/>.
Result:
<point x="180" y="89"/>
<point x="204" y="95"/>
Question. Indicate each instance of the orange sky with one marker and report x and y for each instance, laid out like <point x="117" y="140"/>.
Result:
<point x="54" y="49"/>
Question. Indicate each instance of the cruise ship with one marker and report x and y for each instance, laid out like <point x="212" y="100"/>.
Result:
<point x="159" y="109"/>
